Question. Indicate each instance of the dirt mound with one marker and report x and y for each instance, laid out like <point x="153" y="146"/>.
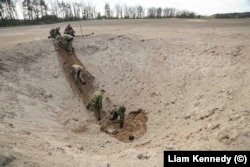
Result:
<point x="134" y="126"/>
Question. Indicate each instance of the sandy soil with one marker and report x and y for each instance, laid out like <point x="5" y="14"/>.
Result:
<point x="190" y="79"/>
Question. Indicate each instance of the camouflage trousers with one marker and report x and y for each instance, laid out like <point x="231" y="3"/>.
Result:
<point x="96" y="108"/>
<point x="115" y="116"/>
<point x="69" y="46"/>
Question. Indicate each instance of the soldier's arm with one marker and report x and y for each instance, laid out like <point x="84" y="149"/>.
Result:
<point x="66" y="31"/>
<point x="100" y="102"/>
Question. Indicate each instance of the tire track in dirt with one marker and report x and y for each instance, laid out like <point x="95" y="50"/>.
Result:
<point x="135" y="122"/>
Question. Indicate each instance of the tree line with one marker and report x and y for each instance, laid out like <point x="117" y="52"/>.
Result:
<point x="51" y="11"/>
<point x="232" y="15"/>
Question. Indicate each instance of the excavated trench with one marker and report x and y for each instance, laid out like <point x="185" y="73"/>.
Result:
<point x="135" y="121"/>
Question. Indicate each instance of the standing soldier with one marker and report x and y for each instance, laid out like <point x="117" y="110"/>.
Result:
<point x="96" y="103"/>
<point x="118" y="110"/>
<point x="69" y="30"/>
<point x="78" y="73"/>
<point x="54" y="32"/>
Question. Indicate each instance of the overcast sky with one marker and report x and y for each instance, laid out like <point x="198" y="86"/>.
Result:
<point x="203" y="7"/>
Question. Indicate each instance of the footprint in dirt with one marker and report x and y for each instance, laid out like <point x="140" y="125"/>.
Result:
<point x="134" y="126"/>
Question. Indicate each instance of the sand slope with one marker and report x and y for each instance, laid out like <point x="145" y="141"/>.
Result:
<point x="191" y="79"/>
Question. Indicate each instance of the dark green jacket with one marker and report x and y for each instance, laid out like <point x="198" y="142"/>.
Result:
<point x="69" y="30"/>
<point x="120" y="110"/>
<point x="54" y="32"/>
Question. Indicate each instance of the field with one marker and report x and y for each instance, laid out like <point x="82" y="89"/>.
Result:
<point x="185" y="84"/>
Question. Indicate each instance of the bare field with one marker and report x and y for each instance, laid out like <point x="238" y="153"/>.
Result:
<point x="236" y="29"/>
<point x="190" y="77"/>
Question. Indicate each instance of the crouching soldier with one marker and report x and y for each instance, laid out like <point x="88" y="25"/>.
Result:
<point x="118" y="110"/>
<point x="77" y="70"/>
<point x="54" y="32"/>
<point x="69" y="40"/>
<point x="69" y="30"/>
<point x="96" y="103"/>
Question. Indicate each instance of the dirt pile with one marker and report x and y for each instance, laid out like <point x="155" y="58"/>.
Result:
<point x="134" y="127"/>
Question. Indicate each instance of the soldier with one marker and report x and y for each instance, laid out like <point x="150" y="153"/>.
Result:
<point x="118" y="110"/>
<point x="78" y="73"/>
<point x="69" y="30"/>
<point x="54" y="32"/>
<point x="96" y="102"/>
<point x="69" y="40"/>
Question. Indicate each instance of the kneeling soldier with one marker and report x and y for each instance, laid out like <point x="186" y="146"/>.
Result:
<point x="68" y="39"/>
<point x="118" y="110"/>
<point x="78" y="73"/>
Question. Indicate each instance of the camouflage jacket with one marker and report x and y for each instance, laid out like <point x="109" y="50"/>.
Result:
<point x="96" y="99"/>
<point x="69" y="30"/>
<point x="120" y="110"/>
<point x="55" y="32"/>
<point x="67" y="37"/>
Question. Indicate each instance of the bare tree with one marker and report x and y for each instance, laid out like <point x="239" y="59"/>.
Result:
<point x="152" y="12"/>
<point x="82" y="5"/>
<point x="88" y="11"/>
<point x="118" y="10"/>
<point x="107" y="10"/>
<point x="43" y="7"/>
<point x="169" y="12"/>
<point x="27" y="9"/>
<point x="7" y="9"/>
<point x="121" y="11"/>
<point x="55" y="7"/>
<point x="64" y="10"/>
<point x="185" y="14"/>
<point x="166" y="12"/>
<point x="93" y="11"/>
<point x="125" y="11"/>
<point x="1" y="12"/>
<point x="36" y="8"/>
<point x="76" y="9"/>
<point x="172" y="12"/>
<point x="132" y="12"/>
<point x="159" y="13"/>
<point x="140" y="12"/>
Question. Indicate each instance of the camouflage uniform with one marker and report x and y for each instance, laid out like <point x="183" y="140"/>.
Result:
<point x="118" y="110"/>
<point x="69" y="40"/>
<point x="69" y="30"/>
<point x="78" y="72"/>
<point x="54" y="33"/>
<point x="96" y="103"/>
